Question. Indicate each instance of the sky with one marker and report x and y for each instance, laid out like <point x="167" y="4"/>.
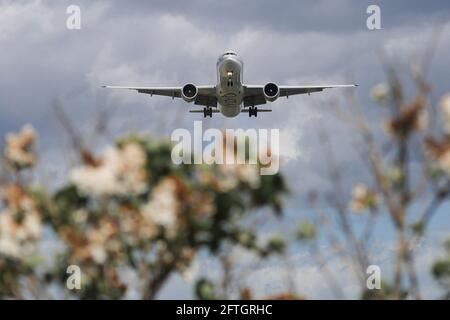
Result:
<point x="145" y="43"/>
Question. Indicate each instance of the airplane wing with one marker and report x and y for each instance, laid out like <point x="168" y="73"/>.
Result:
<point x="253" y="94"/>
<point x="206" y="94"/>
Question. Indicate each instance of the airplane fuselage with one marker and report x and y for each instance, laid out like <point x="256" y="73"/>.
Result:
<point x="230" y="91"/>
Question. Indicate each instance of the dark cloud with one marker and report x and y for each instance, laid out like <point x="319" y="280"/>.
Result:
<point x="291" y="16"/>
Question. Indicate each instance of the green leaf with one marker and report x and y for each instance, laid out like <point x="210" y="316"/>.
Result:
<point x="441" y="269"/>
<point x="418" y="228"/>
<point x="276" y="245"/>
<point x="204" y="290"/>
<point x="306" y="231"/>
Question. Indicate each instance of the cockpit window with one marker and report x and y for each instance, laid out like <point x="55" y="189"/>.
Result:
<point x="229" y="54"/>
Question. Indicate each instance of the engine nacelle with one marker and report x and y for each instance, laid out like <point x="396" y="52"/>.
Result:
<point x="271" y="92"/>
<point x="189" y="92"/>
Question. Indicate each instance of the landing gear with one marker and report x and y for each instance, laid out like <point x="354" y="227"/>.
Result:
<point x="253" y="111"/>
<point x="207" y="112"/>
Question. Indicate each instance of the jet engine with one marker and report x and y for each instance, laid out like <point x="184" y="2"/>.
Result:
<point x="271" y="92"/>
<point x="189" y="92"/>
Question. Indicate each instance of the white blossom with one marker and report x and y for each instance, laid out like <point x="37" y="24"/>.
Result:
<point x="15" y="236"/>
<point x="363" y="199"/>
<point x="445" y="108"/>
<point x="162" y="209"/>
<point x="19" y="147"/>
<point x="380" y="93"/>
<point x="235" y="173"/>
<point x="121" y="172"/>
<point x="444" y="161"/>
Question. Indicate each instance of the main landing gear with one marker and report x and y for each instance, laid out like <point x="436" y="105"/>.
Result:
<point x="253" y="111"/>
<point x="207" y="112"/>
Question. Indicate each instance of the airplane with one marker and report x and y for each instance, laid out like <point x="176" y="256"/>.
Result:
<point x="230" y="96"/>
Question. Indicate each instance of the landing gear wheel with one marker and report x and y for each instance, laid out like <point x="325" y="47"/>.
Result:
<point x="207" y="112"/>
<point x="253" y="111"/>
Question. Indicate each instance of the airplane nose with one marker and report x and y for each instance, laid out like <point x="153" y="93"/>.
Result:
<point x="230" y="63"/>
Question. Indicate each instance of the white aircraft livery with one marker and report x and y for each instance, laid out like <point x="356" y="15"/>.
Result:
<point x="230" y="96"/>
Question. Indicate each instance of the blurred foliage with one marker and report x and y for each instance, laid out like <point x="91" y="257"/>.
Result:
<point x="407" y="162"/>
<point x="385" y="292"/>
<point x="441" y="270"/>
<point x="129" y="208"/>
<point x="204" y="290"/>
<point x="306" y="231"/>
